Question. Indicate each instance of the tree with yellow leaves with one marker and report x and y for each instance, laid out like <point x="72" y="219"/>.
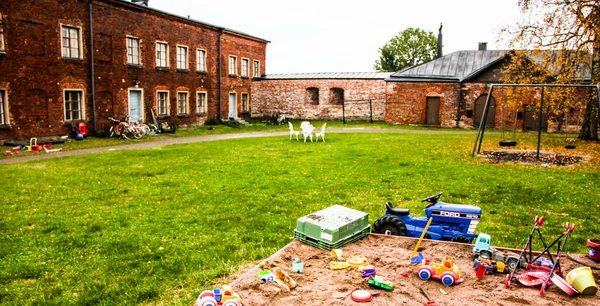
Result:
<point x="563" y="38"/>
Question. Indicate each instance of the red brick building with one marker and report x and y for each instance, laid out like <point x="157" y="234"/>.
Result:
<point x="452" y="90"/>
<point x="144" y="61"/>
<point x="359" y="96"/>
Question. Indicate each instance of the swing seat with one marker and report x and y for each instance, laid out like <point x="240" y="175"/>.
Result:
<point x="508" y="143"/>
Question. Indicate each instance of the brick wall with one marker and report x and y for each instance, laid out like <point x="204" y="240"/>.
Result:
<point x="315" y="99"/>
<point x="407" y="102"/>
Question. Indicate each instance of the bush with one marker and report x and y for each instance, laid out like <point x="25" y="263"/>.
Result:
<point x="213" y="121"/>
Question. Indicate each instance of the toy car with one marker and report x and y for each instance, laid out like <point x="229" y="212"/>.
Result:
<point x="447" y="271"/>
<point x="454" y="222"/>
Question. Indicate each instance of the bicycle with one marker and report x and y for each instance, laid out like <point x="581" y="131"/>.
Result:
<point x="123" y="129"/>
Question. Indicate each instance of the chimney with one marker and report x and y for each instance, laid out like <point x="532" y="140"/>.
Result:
<point x="144" y="2"/>
<point x="482" y="46"/>
<point x="439" y="42"/>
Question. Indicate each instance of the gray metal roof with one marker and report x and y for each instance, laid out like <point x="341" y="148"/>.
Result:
<point x="454" y="67"/>
<point x="328" y="75"/>
<point x="461" y="66"/>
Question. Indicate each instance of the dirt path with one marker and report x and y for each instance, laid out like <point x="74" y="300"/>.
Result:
<point x="204" y="138"/>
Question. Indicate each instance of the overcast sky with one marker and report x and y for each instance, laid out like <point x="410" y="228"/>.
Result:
<point x="344" y="36"/>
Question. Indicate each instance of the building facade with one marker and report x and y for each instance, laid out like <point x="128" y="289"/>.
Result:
<point x="65" y="62"/>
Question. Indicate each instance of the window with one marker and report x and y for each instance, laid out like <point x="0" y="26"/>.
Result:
<point x="3" y="108"/>
<point x="73" y="105"/>
<point x="232" y="64"/>
<point x="312" y="95"/>
<point x="245" y="67"/>
<point x="182" y="102"/>
<point x="244" y="102"/>
<point x="200" y="60"/>
<point x="162" y="102"/>
<point x="336" y="95"/>
<point x="133" y="51"/>
<point x="2" y="48"/>
<point x="70" y="42"/>
<point x="182" y="57"/>
<point x="162" y="55"/>
<point x="201" y="103"/>
<point x="256" y="69"/>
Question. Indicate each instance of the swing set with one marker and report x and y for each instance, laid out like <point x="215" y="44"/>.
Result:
<point x="512" y="142"/>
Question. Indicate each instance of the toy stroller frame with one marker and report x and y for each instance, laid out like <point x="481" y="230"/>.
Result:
<point x="529" y="257"/>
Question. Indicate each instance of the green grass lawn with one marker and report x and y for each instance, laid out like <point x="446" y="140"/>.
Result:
<point x="161" y="225"/>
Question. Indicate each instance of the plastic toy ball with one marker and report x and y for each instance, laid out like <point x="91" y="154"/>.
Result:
<point x="79" y="137"/>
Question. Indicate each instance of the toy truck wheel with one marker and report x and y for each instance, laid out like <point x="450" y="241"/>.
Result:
<point x="461" y="239"/>
<point x="511" y="263"/>
<point x="447" y="279"/>
<point x="485" y="253"/>
<point x="424" y="274"/>
<point x="390" y="224"/>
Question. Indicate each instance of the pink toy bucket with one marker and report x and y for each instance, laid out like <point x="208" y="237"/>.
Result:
<point x="594" y="249"/>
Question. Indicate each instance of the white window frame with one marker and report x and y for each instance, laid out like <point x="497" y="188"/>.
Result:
<point x="2" y="45"/>
<point x="245" y="104"/>
<point x="201" y="108"/>
<point x="186" y="103"/>
<point x="256" y="69"/>
<point x="200" y="60"/>
<point x="67" y="51"/>
<point x="182" y="63"/>
<point x="159" y="60"/>
<point x="134" y="50"/>
<point x="245" y="67"/>
<point x="232" y="65"/>
<point x="166" y="106"/>
<point x="81" y="105"/>
<point x="4" y="118"/>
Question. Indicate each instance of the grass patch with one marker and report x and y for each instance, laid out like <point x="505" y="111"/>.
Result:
<point x="159" y="225"/>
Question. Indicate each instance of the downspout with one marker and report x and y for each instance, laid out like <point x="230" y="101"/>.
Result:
<point x="93" y="76"/>
<point x="220" y="63"/>
<point x="458" y="104"/>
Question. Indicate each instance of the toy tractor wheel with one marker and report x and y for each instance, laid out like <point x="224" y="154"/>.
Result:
<point x="461" y="239"/>
<point x="390" y="224"/>
<point x="485" y="253"/>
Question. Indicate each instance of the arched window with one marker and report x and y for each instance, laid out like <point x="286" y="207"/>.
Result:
<point x="336" y="95"/>
<point x="312" y="95"/>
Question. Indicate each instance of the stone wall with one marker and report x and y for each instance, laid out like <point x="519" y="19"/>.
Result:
<point x="320" y="98"/>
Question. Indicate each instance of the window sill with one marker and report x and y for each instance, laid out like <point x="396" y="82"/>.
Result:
<point x="200" y="114"/>
<point x="71" y="122"/>
<point x="245" y="77"/>
<point x="245" y="113"/>
<point x="163" y="116"/>
<point x="182" y="115"/>
<point x="201" y="72"/>
<point x="134" y="66"/>
<point x="72" y="59"/>
<point x="5" y="126"/>
<point x="233" y="75"/>
<point x="162" y="68"/>
<point x="183" y="70"/>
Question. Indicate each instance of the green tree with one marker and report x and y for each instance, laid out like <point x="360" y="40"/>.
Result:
<point x="573" y="27"/>
<point x="410" y="47"/>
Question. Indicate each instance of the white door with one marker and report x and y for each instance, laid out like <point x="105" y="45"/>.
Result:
<point x="232" y="105"/>
<point x="135" y="105"/>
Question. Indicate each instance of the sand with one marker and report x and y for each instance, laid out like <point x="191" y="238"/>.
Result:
<point x="318" y="285"/>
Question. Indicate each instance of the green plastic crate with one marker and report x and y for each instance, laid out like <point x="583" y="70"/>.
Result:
<point x="332" y="227"/>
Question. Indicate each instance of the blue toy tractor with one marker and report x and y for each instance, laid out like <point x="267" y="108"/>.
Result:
<point x="454" y="222"/>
